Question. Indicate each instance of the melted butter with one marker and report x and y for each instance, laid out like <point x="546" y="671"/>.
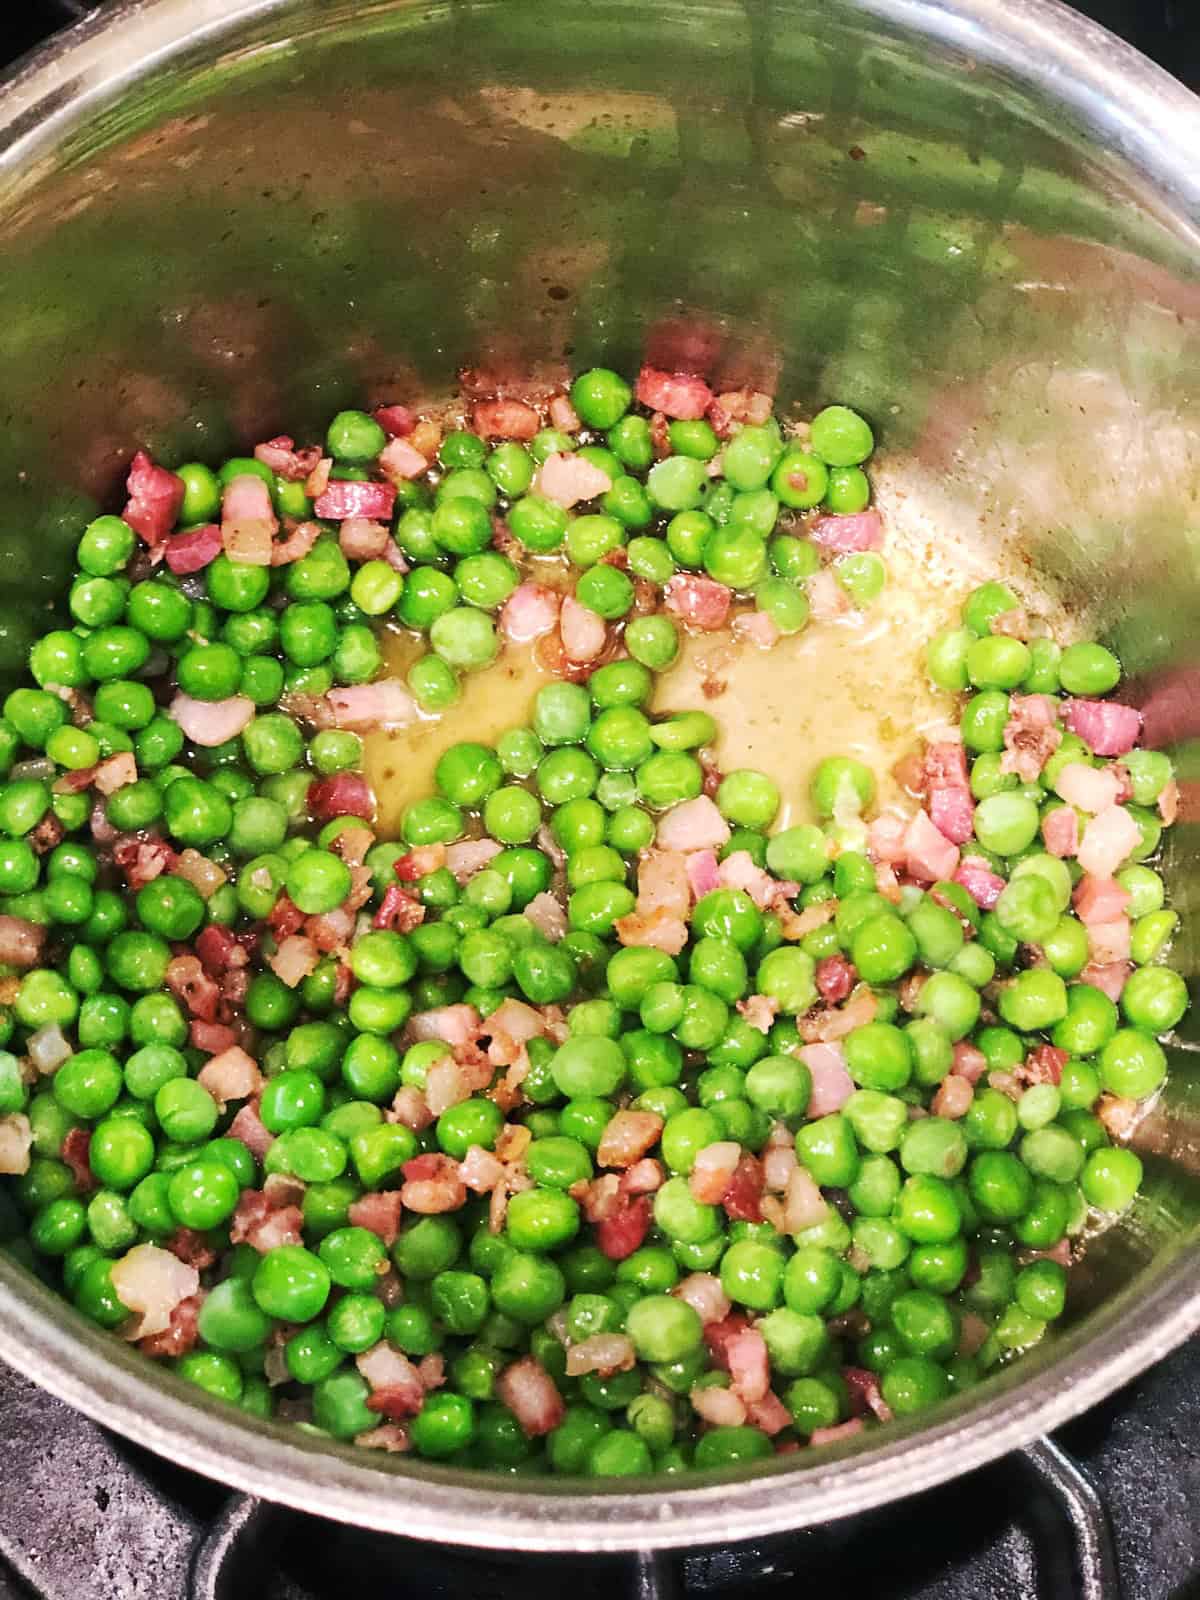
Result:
<point x="853" y="686"/>
<point x="400" y="765"/>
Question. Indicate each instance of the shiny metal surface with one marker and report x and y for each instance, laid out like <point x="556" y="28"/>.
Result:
<point x="979" y="220"/>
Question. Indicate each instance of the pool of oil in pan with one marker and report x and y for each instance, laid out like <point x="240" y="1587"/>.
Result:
<point x="853" y="686"/>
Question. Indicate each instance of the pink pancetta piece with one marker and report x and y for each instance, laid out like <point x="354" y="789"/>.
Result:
<point x="680" y="395"/>
<point x="742" y="405"/>
<point x="295" y="958"/>
<point x="886" y="840"/>
<point x="860" y="530"/>
<point x="151" y="1282"/>
<point x="379" y="1213"/>
<point x="1108" y="729"/>
<point x="395" y="420"/>
<point x="457" y="1024"/>
<point x="969" y="1062"/>
<point x="769" y="1414"/>
<point x="115" y="773"/>
<point x="386" y="703"/>
<point x="627" y="1136"/>
<point x="831" y="1083"/>
<point x="446" y="1085"/>
<point x="1108" y="942"/>
<point x="432" y="1185"/>
<point x="738" y="871"/>
<point x="712" y="1171"/>
<point x="827" y="599"/>
<point x="248" y="521"/>
<point x="1098" y="900"/>
<point x="396" y="1388"/>
<point x="928" y="854"/>
<point x="317" y="481"/>
<point x="584" y="634"/>
<point x="249" y="1129"/>
<point x="749" y="1365"/>
<point x="1060" y="830"/>
<point x="945" y="766"/>
<point x="480" y="1170"/>
<point x="719" y="1407"/>
<point x="563" y="414"/>
<point x="1030" y="735"/>
<point x="703" y="1292"/>
<point x="408" y="1107"/>
<point x="194" y="550"/>
<point x="361" y="539"/>
<point x="212" y="722"/>
<point x="349" y="497"/>
<point x="266" y="1220"/>
<point x="470" y="856"/>
<point x="284" y="460"/>
<point x="701" y="602"/>
<point x="547" y="915"/>
<point x="759" y="1010"/>
<point x="605" y="1353"/>
<point x="835" y="977"/>
<point x="519" y="1021"/>
<point x="702" y="871"/>
<point x="297" y="544"/>
<point x="505" y="419"/>
<point x="400" y="462"/>
<point x="693" y="825"/>
<point x="981" y="883"/>
<point x="233" y="1075"/>
<point x="838" y="1433"/>
<point x="155" y="496"/>
<point x="804" y="1206"/>
<point x="865" y="1393"/>
<point x="1110" y="980"/>
<point x="758" y="627"/>
<point x="1091" y="789"/>
<point x="21" y="941"/>
<point x="530" y="611"/>
<point x="567" y="479"/>
<point x="952" y="812"/>
<point x="1107" y="841"/>
<point x="654" y="930"/>
<point x="953" y="1097"/>
<point x="345" y="794"/>
<point x="528" y="1391"/>
<point x="663" y="883"/>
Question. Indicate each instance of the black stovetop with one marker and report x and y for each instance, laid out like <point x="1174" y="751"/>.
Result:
<point x="1106" y="1511"/>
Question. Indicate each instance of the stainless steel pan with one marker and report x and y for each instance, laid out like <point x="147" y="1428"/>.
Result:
<point x="976" y="219"/>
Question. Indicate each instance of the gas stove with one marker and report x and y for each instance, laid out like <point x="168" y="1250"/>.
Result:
<point x="1103" y="1511"/>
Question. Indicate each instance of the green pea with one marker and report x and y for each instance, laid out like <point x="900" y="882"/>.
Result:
<point x="1034" y="1000"/>
<point x="840" y="437"/>
<point x="1132" y="1064"/>
<point x="1154" y="999"/>
<point x="1111" y="1178"/>
<point x="678" y="483"/>
<point x="653" y="641"/>
<point x="1088" y="669"/>
<point x="541" y="1219"/>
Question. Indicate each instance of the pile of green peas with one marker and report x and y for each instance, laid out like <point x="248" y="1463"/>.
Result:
<point x="936" y="1219"/>
<point x="667" y="516"/>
